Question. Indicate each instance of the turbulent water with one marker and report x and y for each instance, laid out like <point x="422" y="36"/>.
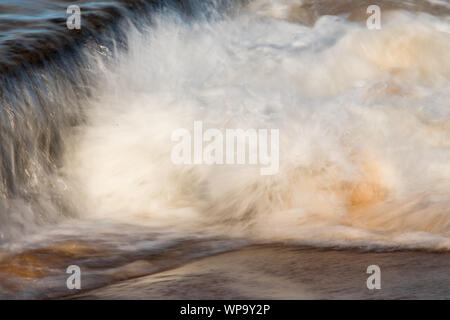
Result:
<point x="363" y="115"/>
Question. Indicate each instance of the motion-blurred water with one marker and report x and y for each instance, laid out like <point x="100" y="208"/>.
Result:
<point x="86" y="176"/>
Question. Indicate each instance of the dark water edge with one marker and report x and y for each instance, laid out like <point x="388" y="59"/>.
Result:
<point x="290" y="272"/>
<point x="32" y="32"/>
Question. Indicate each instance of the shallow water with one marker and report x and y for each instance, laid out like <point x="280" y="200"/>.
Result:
<point x="86" y="171"/>
<point x="291" y="272"/>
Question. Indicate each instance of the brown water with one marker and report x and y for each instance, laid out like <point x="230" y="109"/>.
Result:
<point x="292" y="272"/>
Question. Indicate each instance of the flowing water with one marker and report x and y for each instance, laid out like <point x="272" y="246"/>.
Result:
<point x="86" y="119"/>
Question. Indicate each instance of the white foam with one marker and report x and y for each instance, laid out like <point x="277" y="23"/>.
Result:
<point x="363" y="118"/>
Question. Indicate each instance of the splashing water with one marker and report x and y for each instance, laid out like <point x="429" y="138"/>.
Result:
<point x="362" y="114"/>
<point x="363" y="119"/>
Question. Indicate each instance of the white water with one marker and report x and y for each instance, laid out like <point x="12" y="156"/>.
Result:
<point x="364" y="124"/>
